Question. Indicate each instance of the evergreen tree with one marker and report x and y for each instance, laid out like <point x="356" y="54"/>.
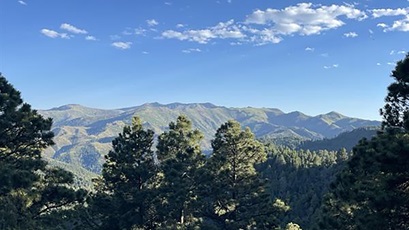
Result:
<point x="127" y="191"/>
<point x="234" y="195"/>
<point x="180" y="158"/>
<point x="372" y="192"/>
<point x="396" y="110"/>
<point x="31" y="193"/>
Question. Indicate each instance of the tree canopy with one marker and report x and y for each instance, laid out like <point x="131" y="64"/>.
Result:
<point x="31" y="192"/>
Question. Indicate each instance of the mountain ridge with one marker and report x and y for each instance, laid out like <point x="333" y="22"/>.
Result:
<point x="83" y="135"/>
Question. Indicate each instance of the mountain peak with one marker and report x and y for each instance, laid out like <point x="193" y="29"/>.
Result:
<point x="68" y="107"/>
<point x="333" y="116"/>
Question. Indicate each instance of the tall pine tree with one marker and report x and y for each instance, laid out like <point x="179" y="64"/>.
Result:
<point x="126" y="193"/>
<point x="233" y="194"/>
<point x="180" y="158"/>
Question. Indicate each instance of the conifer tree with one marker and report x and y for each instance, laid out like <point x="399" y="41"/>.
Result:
<point x="180" y="158"/>
<point x="127" y="190"/>
<point x="31" y="192"/>
<point x="372" y="192"/>
<point x="234" y="195"/>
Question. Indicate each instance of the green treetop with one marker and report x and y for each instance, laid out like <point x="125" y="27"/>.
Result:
<point x="180" y="157"/>
<point x="234" y="195"/>
<point x="31" y="192"/>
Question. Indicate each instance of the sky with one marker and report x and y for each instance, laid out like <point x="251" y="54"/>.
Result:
<point x="310" y="56"/>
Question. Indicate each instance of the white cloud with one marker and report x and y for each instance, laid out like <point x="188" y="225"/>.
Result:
<point x="54" y="34"/>
<point x="22" y="3"/>
<point x="376" y="13"/>
<point x="304" y="19"/>
<point x="140" y="31"/>
<point x="331" y="66"/>
<point x="378" y="64"/>
<point x="222" y="30"/>
<point x="310" y="49"/>
<point x="90" y="38"/>
<point x="180" y="25"/>
<point x="152" y="22"/>
<point x="72" y="29"/>
<point x="350" y="35"/>
<point x="398" y="25"/>
<point x="382" y="25"/>
<point x="191" y="50"/>
<point x="145" y="52"/>
<point x="391" y="63"/>
<point x="393" y="52"/>
<point x="272" y="25"/>
<point x="168" y="3"/>
<point x="122" y="45"/>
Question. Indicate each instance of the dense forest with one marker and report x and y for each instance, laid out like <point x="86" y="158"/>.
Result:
<point x="165" y="181"/>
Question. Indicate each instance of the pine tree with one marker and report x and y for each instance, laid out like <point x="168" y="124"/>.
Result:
<point x="127" y="190"/>
<point x="372" y="192"/>
<point x="31" y="192"/>
<point x="396" y="110"/>
<point x="234" y="195"/>
<point x="180" y="158"/>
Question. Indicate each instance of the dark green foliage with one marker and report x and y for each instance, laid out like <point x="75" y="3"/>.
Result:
<point x="126" y="192"/>
<point x="373" y="190"/>
<point x="234" y="196"/>
<point x="301" y="178"/>
<point x="31" y="193"/>
<point x="345" y="140"/>
<point x="396" y="110"/>
<point x="180" y="159"/>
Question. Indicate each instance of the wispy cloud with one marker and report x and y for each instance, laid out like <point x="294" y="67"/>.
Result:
<point x="114" y="37"/>
<point x="272" y="25"/>
<point x="377" y="13"/>
<point x="54" y="34"/>
<point x="90" y="38"/>
<point x="72" y="29"/>
<point x="310" y="49"/>
<point x="331" y="66"/>
<point x="22" y="3"/>
<point x="152" y="22"/>
<point x="350" y="35"/>
<point x="122" y="45"/>
<point x="139" y="31"/>
<point x="192" y="50"/>
<point x="222" y="30"/>
<point x="397" y="25"/>
<point x="393" y="52"/>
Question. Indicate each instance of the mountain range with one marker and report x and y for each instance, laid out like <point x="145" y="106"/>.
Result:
<point x="83" y="135"/>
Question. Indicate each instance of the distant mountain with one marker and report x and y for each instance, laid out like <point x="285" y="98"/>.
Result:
<point x="345" y="140"/>
<point x="83" y="135"/>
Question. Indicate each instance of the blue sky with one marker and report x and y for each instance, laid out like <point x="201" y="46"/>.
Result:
<point x="312" y="56"/>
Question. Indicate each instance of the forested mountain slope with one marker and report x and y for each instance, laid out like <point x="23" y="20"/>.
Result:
<point x="83" y="135"/>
